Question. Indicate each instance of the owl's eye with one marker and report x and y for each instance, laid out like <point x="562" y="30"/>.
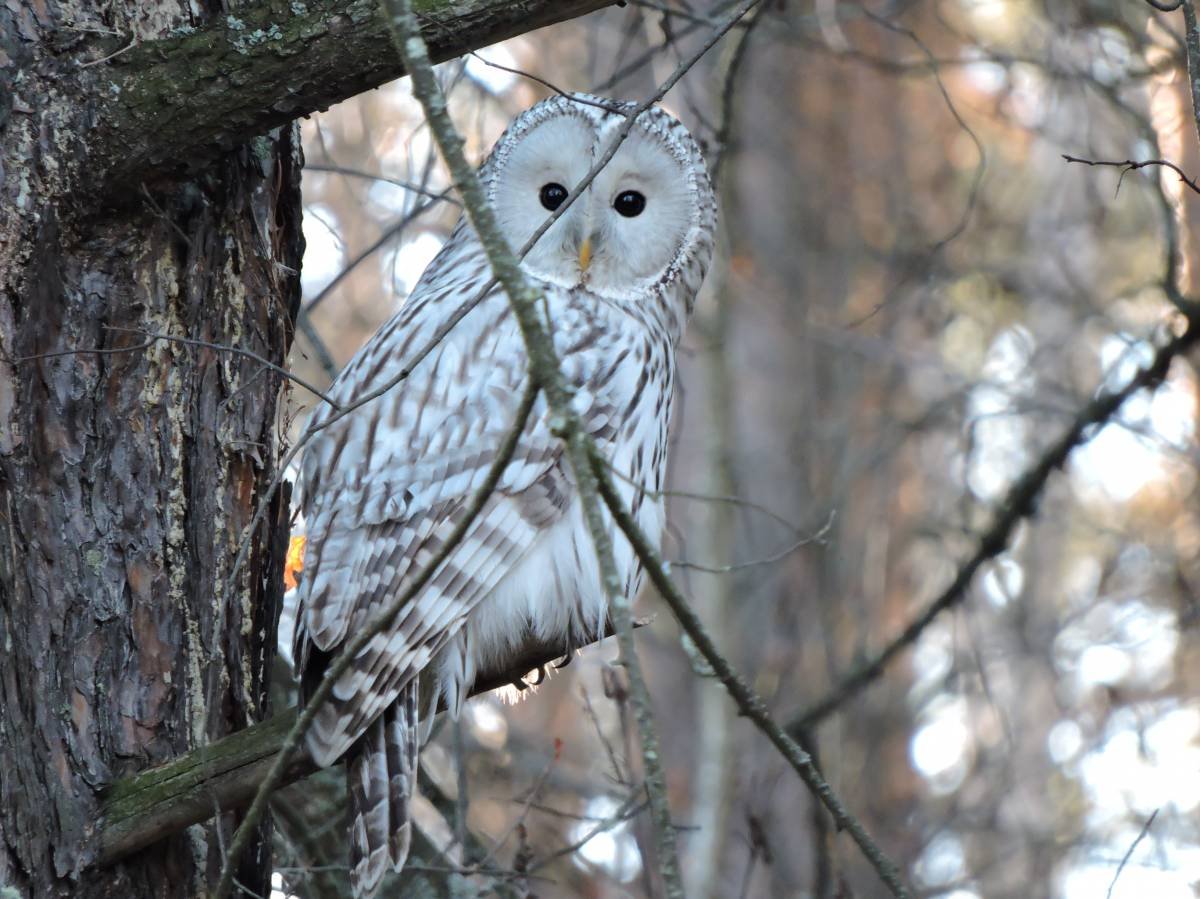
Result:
<point x="630" y="203"/>
<point x="552" y="195"/>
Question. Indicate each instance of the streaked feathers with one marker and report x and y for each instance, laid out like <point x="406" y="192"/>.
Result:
<point x="385" y="486"/>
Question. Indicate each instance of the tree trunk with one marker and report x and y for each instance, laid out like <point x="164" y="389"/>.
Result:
<point x="128" y="476"/>
<point x="139" y="193"/>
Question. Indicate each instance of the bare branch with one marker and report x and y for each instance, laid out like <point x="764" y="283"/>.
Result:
<point x="543" y="367"/>
<point x="412" y="186"/>
<point x="748" y="702"/>
<point x="388" y="234"/>
<point x="1129" y="852"/>
<point x="1130" y="165"/>
<point x="154" y="337"/>
<point x="1019" y="503"/>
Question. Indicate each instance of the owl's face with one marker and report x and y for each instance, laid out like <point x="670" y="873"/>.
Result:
<point x="646" y="214"/>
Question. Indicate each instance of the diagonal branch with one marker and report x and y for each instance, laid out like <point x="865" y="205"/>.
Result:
<point x="351" y="648"/>
<point x="544" y="371"/>
<point x="1130" y="165"/>
<point x="748" y="702"/>
<point x="170" y="105"/>
<point x="1019" y="503"/>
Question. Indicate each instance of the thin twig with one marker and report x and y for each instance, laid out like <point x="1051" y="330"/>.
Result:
<point x="236" y="351"/>
<point x="1129" y="853"/>
<point x="777" y="556"/>
<point x="83" y="351"/>
<point x="388" y="234"/>
<point x="628" y="809"/>
<point x="498" y="843"/>
<point x="436" y="196"/>
<point x="544" y="370"/>
<point x="133" y="42"/>
<point x="304" y="324"/>
<point x="1130" y="165"/>
<point x="155" y="337"/>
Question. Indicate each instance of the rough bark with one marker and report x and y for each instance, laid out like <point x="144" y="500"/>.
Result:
<point x="128" y="476"/>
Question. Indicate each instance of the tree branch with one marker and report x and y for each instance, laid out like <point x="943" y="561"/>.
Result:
<point x="1019" y="503"/>
<point x="748" y="702"/>
<point x="151" y="805"/>
<point x="167" y="106"/>
<point x="1130" y="165"/>
<point x="545" y="372"/>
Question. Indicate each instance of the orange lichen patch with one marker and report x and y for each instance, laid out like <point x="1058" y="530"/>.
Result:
<point x="295" y="562"/>
<point x="742" y="265"/>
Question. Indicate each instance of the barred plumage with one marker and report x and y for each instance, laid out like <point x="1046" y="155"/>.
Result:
<point x="385" y="486"/>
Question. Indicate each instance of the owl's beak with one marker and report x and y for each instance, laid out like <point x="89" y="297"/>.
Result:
<point x="585" y="254"/>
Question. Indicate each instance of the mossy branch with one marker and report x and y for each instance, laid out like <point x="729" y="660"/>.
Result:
<point x="167" y="106"/>
<point x="138" y="811"/>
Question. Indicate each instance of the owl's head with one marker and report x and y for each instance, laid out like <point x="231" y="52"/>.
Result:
<point x="647" y="218"/>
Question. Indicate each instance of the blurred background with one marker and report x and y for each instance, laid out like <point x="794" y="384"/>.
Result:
<point x="914" y="295"/>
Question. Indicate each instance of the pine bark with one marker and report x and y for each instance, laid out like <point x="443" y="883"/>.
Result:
<point x="128" y="476"/>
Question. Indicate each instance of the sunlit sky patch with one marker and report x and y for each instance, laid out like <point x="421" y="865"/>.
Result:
<point x="615" y="850"/>
<point x="1000" y="436"/>
<point x="410" y="259"/>
<point x="324" y="254"/>
<point x="941" y="746"/>
<point x="491" y="79"/>
<point x="943" y="862"/>
<point x="1138" y="448"/>
<point x="1118" y="643"/>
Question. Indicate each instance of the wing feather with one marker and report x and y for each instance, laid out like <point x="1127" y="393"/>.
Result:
<point x="388" y="483"/>
<point x="393" y="478"/>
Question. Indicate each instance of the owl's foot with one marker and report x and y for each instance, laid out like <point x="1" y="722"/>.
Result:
<point x="521" y="684"/>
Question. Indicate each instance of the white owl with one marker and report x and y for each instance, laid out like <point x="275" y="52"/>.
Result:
<point x="385" y="485"/>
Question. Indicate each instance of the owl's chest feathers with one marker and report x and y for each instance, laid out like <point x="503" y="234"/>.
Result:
<point x="554" y="594"/>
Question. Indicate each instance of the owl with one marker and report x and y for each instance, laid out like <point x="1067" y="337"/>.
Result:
<point x="384" y="487"/>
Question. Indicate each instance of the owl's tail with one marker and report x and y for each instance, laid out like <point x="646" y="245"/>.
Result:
<point x="381" y="769"/>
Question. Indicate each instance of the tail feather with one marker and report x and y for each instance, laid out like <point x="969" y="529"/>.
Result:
<point x="367" y="778"/>
<point x="401" y="728"/>
<point x="381" y="769"/>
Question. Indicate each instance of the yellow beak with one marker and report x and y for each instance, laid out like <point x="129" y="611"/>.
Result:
<point x="585" y="254"/>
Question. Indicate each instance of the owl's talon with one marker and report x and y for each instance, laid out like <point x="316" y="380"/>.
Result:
<point x="565" y="661"/>
<point x="519" y="683"/>
<point x="541" y="676"/>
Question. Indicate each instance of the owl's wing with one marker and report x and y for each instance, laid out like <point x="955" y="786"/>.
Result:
<point x="386" y="485"/>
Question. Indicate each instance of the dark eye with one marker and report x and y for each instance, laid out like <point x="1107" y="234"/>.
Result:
<point x="552" y="195"/>
<point x="630" y="203"/>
